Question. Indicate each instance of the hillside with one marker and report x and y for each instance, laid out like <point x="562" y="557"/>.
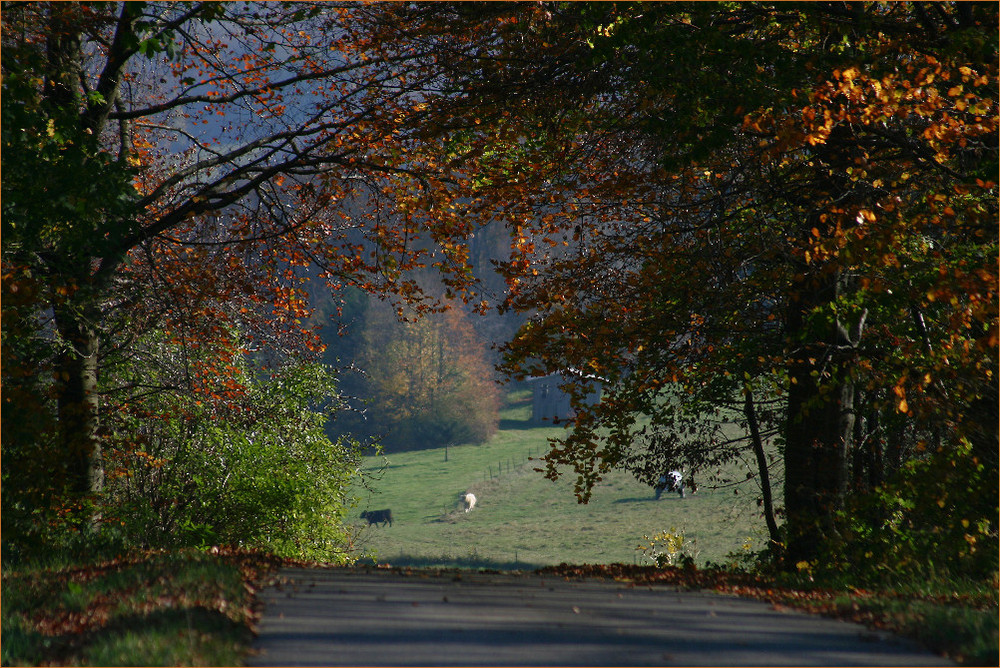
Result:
<point x="523" y="519"/>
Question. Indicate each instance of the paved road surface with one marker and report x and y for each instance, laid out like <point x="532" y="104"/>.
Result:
<point x="372" y="617"/>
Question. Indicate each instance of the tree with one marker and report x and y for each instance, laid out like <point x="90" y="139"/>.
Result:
<point x="197" y="155"/>
<point x="426" y="380"/>
<point x="710" y="203"/>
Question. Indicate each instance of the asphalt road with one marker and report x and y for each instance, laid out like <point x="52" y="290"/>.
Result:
<point x="372" y="617"/>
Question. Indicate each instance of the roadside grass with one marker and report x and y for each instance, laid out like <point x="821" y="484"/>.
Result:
<point x="523" y="520"/>
<point x="184" y="608"/>
<point x="954" y="618"/>
<point x="965" y="630"/>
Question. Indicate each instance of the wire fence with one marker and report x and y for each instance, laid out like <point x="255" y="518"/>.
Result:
<point x="505" y="466"/>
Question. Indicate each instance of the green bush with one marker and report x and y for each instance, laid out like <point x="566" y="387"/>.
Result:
<point x="937" y="518"/>
<point x="258" y="472"/>
<point x="201" y="448"/>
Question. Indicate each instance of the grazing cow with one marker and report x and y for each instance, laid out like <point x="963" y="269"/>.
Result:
<point x="468" y="500"/>
<point x="377" y="517"/>
<point x="677" y="482"/>
<point x="674" y="481"/>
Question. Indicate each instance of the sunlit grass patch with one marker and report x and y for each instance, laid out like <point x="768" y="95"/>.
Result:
<point x="522" y="517"/>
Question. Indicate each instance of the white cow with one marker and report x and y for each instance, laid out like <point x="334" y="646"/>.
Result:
<point x="468" y="500"/>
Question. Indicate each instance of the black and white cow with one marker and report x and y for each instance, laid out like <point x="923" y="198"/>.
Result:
<point x="673" y="481"/>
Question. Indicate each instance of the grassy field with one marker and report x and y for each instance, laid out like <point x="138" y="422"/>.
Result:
<point x="524" y="520"/>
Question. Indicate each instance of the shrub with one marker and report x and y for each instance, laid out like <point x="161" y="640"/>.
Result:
<point x="936" y="518"/>
<point x="667" y="548"/>
<point x="257" y="472"/>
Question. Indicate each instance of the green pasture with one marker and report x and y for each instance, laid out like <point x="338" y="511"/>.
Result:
<point x="523" y="520"/>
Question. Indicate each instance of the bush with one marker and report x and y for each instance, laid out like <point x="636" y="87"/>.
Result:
<point x="257" y="472"/>
<point x="667" y="548"/>
<point x="937" y="518"/>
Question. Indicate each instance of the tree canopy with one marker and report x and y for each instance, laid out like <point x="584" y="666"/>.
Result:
<point x="426" y="381"/>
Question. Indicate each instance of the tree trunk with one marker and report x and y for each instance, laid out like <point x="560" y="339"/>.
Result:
<point x="820" y="422"/>
<point x="822" y="351"/>
<point x="78" y="401"/>
<point x="765" y="478"/>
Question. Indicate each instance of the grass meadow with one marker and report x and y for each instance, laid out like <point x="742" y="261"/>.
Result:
<point x="523" y="520"/>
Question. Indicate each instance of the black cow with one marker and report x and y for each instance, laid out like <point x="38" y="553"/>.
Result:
<point x="377" y="517"/>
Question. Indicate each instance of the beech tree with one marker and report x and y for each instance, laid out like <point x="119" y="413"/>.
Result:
<point x="787" y="210"/>
<point x="178" y="164"/>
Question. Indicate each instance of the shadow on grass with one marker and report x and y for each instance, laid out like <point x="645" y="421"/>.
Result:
<point x="468" y="562"/>
<point x="644" y="499"/>
<point x="177" y="636"/>
<point x="507" y="424"/>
